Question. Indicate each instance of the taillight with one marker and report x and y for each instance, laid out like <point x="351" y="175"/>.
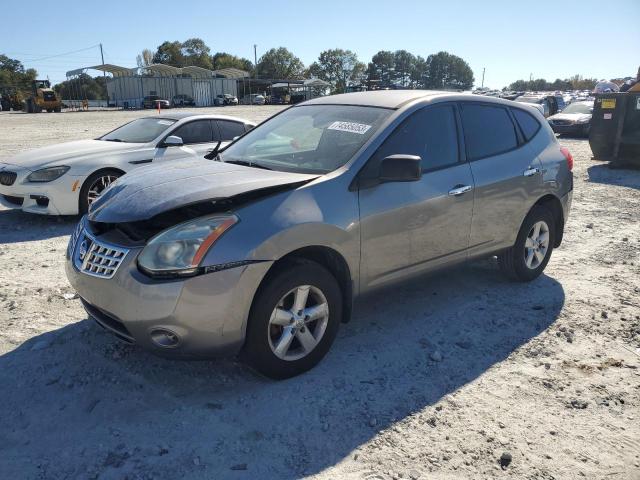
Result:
<point x="567" y="155"/>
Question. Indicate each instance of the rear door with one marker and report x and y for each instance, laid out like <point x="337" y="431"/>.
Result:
<point x="409" y="227"/>
<point x="506" y="172"/>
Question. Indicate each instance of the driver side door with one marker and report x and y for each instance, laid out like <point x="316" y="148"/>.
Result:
<point x="408" y="228"/>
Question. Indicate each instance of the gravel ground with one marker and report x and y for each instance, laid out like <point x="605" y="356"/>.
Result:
<point x="463" y="375"/>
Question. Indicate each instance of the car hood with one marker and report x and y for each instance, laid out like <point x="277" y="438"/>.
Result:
<point x="571" y="117"/>
<point x="147" y="192"/>
<point x="68" y="153"/>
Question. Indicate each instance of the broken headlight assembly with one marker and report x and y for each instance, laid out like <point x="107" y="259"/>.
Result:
<point x="178" y="251"/>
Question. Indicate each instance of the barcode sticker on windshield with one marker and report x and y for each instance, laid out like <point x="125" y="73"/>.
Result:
<point x="359" y="128"/>
<point x="165" y="122"/>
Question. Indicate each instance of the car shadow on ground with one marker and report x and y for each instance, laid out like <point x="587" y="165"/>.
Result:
<point x="76" y="403"/>
<point x="621" y="177"/>
<point x="17" y="226"/>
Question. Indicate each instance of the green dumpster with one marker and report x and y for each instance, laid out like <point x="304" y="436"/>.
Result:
<point x="615" y="128"/>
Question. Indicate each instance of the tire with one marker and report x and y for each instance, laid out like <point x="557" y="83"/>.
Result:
<point x="57" y="109"/>
<point x="515" y="262"/>
<point x="265" y="333"/>
<point x="85" y="197"/>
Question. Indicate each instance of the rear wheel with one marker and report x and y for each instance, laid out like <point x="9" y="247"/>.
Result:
<point x="93" y="187"/>
<point x="529" y="256"/>
<point x="293" y="321"/>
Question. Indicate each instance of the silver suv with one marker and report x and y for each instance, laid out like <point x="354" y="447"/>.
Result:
<point x="261" y="250"/>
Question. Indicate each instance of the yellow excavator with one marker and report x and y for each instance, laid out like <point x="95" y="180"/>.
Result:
<point x="42" y="97"/>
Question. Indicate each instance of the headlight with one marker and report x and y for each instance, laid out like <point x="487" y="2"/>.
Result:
<point x="583" y="120"/>
<point x="179" y="250"/>
<point x="47" y="174"/>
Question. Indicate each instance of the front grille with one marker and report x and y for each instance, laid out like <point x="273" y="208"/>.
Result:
<point x="7" y="178"/>
<point x="14" y="200"/>
<point x="95" y="258"/>
<point x="562" y="122"/>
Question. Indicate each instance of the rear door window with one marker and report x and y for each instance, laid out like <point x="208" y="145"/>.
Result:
<point x="230" y="130"/>
<point x="528" y="124"/>
<point x="488" y="130"/>
<point x="198" y="131"/>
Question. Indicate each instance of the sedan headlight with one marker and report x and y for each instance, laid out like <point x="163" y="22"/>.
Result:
<point x="179" y="250"/>
<point x="583" y="120"/>
<point x="47" y="174"/>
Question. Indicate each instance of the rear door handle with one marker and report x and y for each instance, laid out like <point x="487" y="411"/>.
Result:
<point x="530" y="172"/>
<point x="460" y="190"/>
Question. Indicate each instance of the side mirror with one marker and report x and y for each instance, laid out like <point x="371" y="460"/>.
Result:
<point x="172" y="141"/>
<point x="401" y="168"/>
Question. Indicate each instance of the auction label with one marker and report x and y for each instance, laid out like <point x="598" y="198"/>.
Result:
<point x="607" y="116"/>
<point x="359" y="128"/>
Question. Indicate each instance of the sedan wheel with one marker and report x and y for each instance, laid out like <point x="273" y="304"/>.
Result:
<point x="94" y="186"/>
<point x="294" y="319"/>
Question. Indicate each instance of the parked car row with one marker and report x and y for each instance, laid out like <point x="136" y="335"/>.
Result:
<point x="182" y="100"/>
<point x="259" y="248"/>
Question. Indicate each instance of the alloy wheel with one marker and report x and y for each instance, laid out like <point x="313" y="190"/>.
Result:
<point x="536" y="245"/>
<point x="298" y="322"/>
<point x="99" y="186"/>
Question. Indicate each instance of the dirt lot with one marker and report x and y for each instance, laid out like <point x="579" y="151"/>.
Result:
<point x="440" y="379"/>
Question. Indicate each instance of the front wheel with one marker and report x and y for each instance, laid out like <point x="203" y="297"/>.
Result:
<point x="529" y="256"/>
<point x="294" y="320"/>
<point x="93" y="187"/>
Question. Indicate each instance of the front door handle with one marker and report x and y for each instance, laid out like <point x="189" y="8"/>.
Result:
<point x="460" y="190"/>
<point x="530" y="172"/>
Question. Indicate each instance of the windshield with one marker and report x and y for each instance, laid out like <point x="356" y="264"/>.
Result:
<point x="308" y="139"/>
<point x="142" y="130"/>
<point x="524" y="99"/>
<point x="579" y="108"/>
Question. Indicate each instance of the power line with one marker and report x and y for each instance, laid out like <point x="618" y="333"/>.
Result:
<point x="58" y="54"/>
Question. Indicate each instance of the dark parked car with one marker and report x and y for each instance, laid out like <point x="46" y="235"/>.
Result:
<point x="573" y="120"/>
<point x="183" y="101"/>
<point x="152" y="101"/>
<point x="263" y="251"/>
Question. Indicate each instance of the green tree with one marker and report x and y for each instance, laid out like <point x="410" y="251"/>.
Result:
<point x="85" y="86"/>
<point x="381" y="69"/>
<point x="196" y="52"/>
<point x="404" y="64"/>
<point x="13" y="75"/>
<point x="280" y="63"/>
<point x="447" y="71"/>
<point x="169" y="53"/>
<point x="226" y="60"/>
<point x="339" y="68"/>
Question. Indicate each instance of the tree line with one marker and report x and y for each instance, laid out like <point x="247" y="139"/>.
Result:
<point x="573" y="83"/>
<point x="339" y="67"/>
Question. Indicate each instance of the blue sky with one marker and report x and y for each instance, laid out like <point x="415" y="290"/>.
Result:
<point x="550" y="39"/>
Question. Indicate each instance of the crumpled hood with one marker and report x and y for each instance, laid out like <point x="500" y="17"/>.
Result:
<point x="149" y="191"/>
<point x="571" y="117"/>
<point x="67" y="153"/>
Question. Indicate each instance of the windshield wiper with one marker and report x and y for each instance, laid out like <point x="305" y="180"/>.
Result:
<point x="247" y="164"/>
<point x="113" y="140"/>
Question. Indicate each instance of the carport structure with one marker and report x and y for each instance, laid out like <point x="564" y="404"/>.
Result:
<point x="127" y="87"/>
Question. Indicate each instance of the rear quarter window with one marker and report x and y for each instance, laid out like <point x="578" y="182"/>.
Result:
<point x="488" y="130"/>
<point x="528" y="124"/>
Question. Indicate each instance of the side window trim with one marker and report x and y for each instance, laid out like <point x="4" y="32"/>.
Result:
<point x="515" y="130"/>
<point x="215" y="130"/>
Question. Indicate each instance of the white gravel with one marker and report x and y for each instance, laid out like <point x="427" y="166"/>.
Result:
<point x="462" y="375"/>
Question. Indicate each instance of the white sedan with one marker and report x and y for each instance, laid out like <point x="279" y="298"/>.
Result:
<point x="64" y="179"/>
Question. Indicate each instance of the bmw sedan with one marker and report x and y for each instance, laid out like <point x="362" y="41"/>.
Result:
<point x="64" y="179"/>
<point x="262" y="252"/>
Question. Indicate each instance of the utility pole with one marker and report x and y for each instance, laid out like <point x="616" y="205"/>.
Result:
<point x="255" y="60"/>
<point x="104" y="74"/>
<point x="483" y="69"/>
